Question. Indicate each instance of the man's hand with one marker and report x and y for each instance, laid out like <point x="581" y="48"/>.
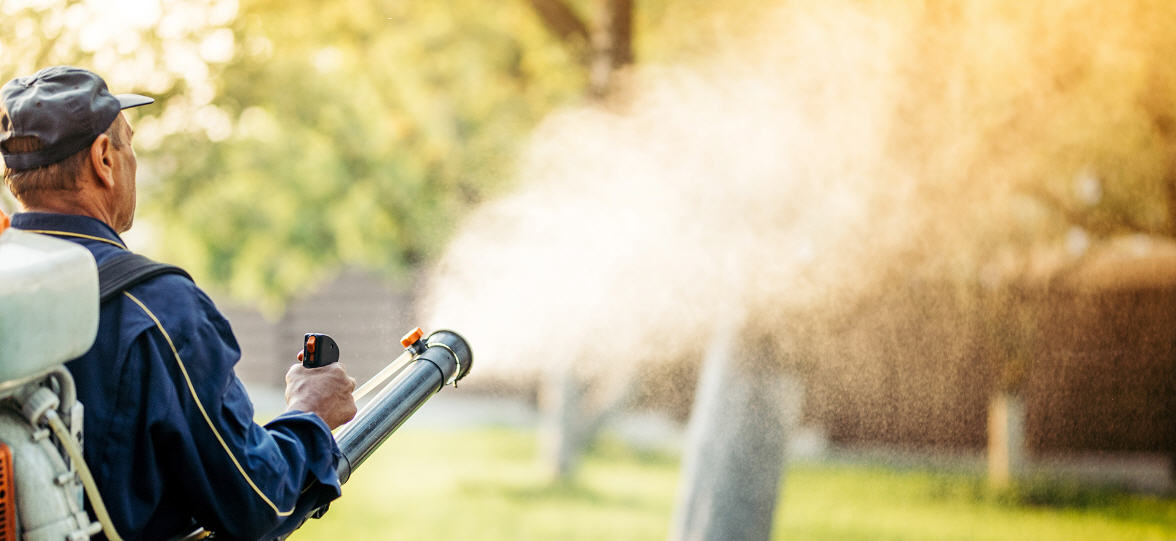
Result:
<point x="324" y="391"/>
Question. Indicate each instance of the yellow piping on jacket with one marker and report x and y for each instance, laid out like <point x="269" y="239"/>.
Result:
<point x="200" y="406"/>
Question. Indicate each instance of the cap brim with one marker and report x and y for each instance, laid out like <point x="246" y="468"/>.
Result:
<point x="126" y="101"/>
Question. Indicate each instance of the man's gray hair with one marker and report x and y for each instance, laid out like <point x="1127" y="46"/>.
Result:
<point x="62" y="175"/>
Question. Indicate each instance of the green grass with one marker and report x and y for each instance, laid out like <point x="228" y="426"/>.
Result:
<point x="486" y="484"/>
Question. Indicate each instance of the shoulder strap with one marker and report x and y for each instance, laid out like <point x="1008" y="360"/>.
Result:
<point x="127" y="269"/>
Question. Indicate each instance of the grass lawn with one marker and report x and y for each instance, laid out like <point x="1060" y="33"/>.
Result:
<point x="486" y="484"/>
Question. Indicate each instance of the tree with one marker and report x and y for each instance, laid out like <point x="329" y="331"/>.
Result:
<point x="603" y="48"/>
<point x="600" y="51"/>
<point x="167" y="54"/>
<point x="355" y="134"/>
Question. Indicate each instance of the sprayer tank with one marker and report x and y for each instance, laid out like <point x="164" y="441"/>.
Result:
<point x="48" y="302"/>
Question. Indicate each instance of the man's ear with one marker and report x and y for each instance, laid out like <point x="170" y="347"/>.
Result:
<point x="102" y="160"/>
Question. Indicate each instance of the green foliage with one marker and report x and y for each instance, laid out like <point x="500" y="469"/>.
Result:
<point x="162" y="51"/>
<point x="361" y="131"/>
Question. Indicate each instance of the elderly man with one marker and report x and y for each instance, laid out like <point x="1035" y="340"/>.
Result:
<point x="169" y="429"/>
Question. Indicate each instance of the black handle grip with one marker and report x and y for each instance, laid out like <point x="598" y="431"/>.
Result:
<point x="318" y="350"/>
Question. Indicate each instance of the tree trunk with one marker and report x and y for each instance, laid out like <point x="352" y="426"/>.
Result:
<point x="604" y="49"/>
<point x="736" y="444"/>
<point x="570" y="423"/>
<point x="1006" y="438"/>
<point x="559" y="404"/>
<point x="564" y="24"/>
<point x="612" y="46"/>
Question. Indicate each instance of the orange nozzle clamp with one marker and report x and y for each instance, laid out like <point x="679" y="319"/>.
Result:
<point x="4" y="221"/>
<point x="412" y="337"/>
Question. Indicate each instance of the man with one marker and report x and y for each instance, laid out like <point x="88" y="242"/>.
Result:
<point x="169" y="431"/>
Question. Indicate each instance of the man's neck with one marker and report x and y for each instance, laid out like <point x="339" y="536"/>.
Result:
<point x="70" y="202"/>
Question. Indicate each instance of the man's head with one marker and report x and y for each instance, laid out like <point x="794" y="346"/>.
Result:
<point x="66" y="145"/>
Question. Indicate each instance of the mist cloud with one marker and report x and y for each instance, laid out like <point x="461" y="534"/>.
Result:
<point x="816" y="158"/>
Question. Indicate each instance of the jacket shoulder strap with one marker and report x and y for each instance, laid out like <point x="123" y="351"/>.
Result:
<point x="127" y="269"/>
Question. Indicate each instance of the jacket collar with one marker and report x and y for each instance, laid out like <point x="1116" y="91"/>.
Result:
<point x="67" y="226"/>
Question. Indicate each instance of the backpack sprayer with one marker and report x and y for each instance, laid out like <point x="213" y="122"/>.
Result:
<point x="49" y="315"/>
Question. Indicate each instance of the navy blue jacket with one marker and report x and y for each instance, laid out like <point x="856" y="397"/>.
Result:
<point x="169" y="431"/>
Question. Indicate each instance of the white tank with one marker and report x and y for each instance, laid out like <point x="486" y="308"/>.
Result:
<point x="48" y="302"/>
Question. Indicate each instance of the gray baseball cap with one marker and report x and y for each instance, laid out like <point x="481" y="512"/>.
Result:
<point x="67" y="108"/>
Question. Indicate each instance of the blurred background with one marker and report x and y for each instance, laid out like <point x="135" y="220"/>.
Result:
<point x="752" y="269"/>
